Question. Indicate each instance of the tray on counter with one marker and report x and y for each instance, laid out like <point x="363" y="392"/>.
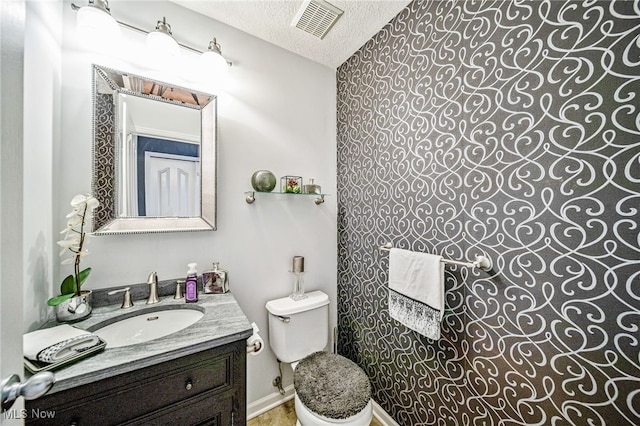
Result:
<point x="37" y="366"/>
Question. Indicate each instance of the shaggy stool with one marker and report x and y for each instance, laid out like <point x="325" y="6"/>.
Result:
<point x="331" y="385"/>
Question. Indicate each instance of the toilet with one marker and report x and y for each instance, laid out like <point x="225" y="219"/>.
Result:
<point x="329" y="389"/>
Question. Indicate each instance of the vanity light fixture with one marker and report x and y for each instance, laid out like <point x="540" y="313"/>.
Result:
<point x="161" y="40"/>
<point x="213" y="60"/>
<point x="96" y="17"/>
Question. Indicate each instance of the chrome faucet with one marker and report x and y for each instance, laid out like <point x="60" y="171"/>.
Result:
<point x="153" y="288"/>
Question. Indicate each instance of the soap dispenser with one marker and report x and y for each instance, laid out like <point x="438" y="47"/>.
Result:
<point x="216" y="280"/>
<point x="191" y="284"/>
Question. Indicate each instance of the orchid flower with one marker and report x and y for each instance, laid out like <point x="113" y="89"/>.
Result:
<point x="74" y="235"/>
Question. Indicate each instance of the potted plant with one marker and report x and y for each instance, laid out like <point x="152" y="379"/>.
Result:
<point x="73" y="304"/>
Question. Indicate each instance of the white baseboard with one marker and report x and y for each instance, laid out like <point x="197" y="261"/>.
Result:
<point x="273" y="400"/>
<point x="268" y="402"/>
<point x="382" y="416"/>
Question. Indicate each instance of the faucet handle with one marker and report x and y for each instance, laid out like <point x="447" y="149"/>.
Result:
<point x="179" y="294"/>
<point x="126" y="300"/>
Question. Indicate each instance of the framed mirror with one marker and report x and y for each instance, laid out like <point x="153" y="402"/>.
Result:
<point x="154" y="155"/>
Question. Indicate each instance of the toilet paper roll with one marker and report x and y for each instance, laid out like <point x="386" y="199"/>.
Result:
<point x="255" y="344"/>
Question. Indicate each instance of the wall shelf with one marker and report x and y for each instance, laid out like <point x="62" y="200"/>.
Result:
<point x="251" y="196"/>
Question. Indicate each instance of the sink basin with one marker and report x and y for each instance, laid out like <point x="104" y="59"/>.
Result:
<point x="147" y="326"/>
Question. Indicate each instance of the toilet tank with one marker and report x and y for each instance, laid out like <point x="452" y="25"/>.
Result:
<point x="298" y="328"/>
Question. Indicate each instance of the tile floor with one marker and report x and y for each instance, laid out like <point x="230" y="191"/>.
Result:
<point x="283" y="415"/>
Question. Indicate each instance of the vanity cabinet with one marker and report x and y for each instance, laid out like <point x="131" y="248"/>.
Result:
<point x="204" y="388"/>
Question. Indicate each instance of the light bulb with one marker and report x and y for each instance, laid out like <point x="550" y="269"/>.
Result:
<point x="212" y="61"/>
<point x="96" y="21"/>
<point x="161" y="41"/>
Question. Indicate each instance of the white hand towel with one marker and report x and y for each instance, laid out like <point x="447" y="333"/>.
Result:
<point x="416" y="290"/>
<point x="57" y="343"/>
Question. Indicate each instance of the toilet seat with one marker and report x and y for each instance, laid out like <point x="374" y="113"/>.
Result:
<point x="331" y="389"/>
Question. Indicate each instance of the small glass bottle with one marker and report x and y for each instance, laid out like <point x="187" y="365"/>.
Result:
<point x="298" y="282"/>
<point x="216" y="280"/>
<point x="312" y="188"/>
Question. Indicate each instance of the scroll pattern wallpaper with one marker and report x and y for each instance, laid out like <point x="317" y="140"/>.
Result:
<point x="510" y="129"/>
<point x="103" y="185"/>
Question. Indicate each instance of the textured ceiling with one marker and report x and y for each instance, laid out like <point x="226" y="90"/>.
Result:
<point x="270" y="20"/>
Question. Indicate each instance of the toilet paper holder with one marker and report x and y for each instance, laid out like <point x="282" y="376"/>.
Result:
<point x="255" y="347"/>
<point x="254" y="342"/>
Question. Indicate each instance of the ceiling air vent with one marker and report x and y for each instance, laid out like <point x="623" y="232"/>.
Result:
<point x="316" y="17"/>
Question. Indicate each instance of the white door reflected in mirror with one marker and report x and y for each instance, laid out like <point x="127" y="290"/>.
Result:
<point x="171" y="185"/>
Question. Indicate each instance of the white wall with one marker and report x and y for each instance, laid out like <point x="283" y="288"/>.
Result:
<point x="276" y="111"/>
<point x="42" y="67"/>
<point x="12" y="29"/>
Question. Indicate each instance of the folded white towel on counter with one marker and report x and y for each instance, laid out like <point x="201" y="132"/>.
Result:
<point x="416" y="290"/>
<point x="56" y="344"/>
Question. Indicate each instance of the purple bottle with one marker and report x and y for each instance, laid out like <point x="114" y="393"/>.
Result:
<point x="191" y="284"/>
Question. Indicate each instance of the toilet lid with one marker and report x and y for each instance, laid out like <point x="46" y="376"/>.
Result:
<point x="331" y="385"/>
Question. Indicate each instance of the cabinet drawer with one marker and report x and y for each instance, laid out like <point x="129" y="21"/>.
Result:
<point x="200" y="410"/>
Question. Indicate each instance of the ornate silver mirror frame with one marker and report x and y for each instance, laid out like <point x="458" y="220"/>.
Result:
<point x="108" y="85"/>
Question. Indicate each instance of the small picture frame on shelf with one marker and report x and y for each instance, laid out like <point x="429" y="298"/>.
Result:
<point x="291" y="184"/>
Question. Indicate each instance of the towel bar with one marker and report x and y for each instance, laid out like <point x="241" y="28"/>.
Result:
<point x="481" y="262"/>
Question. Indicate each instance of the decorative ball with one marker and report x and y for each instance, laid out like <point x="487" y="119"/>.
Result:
<point x="263" y="181"/>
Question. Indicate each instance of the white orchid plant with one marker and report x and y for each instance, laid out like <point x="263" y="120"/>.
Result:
<point x="74" y="244"/>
